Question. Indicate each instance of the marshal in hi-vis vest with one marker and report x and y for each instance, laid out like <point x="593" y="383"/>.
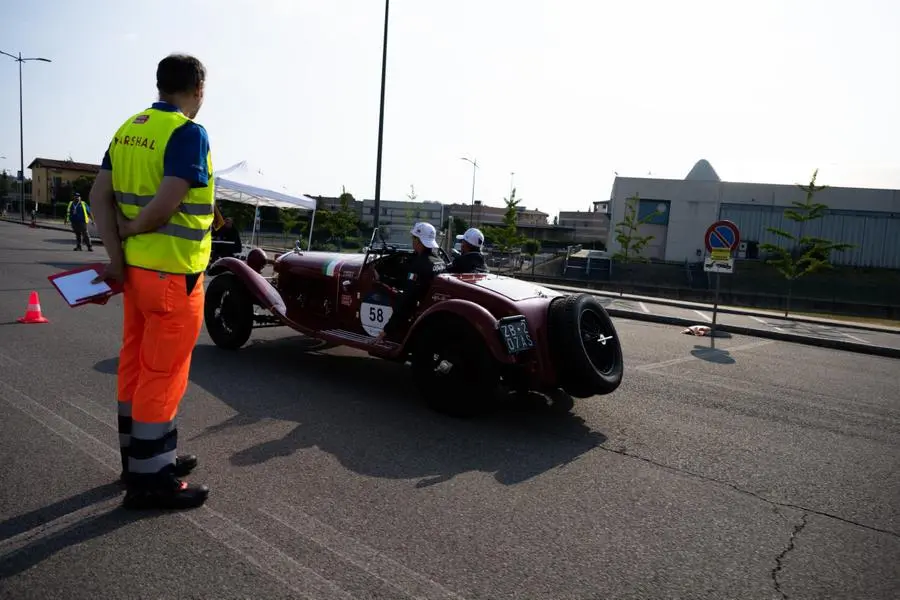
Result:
<point x="182" y="245"/>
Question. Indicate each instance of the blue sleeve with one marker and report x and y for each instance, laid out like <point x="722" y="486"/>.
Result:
<point x="106" y="165"/>
<point x="186" y="155"/>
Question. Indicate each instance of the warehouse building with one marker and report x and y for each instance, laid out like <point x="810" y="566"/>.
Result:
<point x="867" y="218"/>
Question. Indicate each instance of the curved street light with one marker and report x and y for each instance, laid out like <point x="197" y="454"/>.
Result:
<point x="21" y="60"/>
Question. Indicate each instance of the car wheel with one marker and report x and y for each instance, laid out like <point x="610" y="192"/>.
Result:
<point x="585" y="346"/>
<point x="453" y="370"/>
<point x="228" y="311"/>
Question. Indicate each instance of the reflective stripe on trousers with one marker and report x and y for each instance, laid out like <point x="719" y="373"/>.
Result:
<point x="147" y="448"/>
<point x="124" y="423"/>
<point x="152" y="447"/>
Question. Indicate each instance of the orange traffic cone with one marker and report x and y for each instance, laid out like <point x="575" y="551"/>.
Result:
<point x="33" y="314"/>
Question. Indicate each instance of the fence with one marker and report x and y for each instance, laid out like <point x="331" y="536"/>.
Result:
<point x="842" y="290"/>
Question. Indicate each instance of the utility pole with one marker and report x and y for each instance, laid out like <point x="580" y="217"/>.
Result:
<point x="377" y="210"/>
<point x="472" y="208"/>
<point x="21" y="178"/>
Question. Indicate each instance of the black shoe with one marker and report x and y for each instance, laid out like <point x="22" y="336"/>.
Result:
<point x="175" y="495"/>
<point x="184" y="464"/>
<point x="77" y="249"/>
<point x="90" y="248"/>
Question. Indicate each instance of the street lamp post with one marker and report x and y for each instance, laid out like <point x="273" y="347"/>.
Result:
<point x="21" y="60"/>
<point x="472" y="208"/>
<point x="377" y="208"/>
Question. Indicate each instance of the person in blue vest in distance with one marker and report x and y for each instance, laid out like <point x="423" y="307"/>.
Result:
<point x="79" y="215"/>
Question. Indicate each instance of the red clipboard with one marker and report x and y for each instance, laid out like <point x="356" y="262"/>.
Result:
<point x="63" y="285"/>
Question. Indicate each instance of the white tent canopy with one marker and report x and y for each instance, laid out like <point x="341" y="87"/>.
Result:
<point x="246" y="184"/>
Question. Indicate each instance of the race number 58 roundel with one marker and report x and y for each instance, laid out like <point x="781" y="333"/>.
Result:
<point x="374" y="312"/>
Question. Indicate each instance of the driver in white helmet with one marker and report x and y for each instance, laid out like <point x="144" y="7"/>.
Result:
<point x="471" y="260"/>
<point x="422" y="269"/>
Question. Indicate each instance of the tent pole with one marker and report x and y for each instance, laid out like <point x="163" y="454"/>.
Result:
<point x="312" y="223"/>
<point x="254" y="241"/>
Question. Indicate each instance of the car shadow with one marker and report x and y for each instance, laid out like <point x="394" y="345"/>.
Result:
<point x="366" y="414"/>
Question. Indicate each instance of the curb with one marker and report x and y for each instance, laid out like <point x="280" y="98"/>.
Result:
<point x="856" y="347"/>
<point x="727" y="310"/>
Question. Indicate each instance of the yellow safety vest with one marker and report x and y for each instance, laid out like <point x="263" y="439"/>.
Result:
<point x="83" y="208"/>
<point x="182" y="245"/>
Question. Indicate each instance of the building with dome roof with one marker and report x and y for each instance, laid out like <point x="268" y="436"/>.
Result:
<point x="867" y="218"/>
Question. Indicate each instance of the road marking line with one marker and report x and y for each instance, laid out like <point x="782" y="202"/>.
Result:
<point x="248" y="546"/>
<point x="643" y="307"/>
<point x="7" y="360"/>
<point x="95" y="411"/>
<point x="358" y="554"/>
<point x="684" y="359"/>
<point x="758" y="320"/>
<point x="82" y="440"/>
<point x="858" y="339"/>
<point x="265" y="557"/>
<point x="704" y="315"/>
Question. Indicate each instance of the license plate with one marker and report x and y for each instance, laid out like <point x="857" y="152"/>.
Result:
<point x="515" y="334"/>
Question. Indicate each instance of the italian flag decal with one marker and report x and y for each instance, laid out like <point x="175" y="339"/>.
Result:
<point x="330" y="267"/>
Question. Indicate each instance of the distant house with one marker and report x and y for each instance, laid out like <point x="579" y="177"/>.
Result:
<point x="48" y="175"/>
<point x="587" y="226"/>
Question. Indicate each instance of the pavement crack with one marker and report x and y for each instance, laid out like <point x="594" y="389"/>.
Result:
<point x="737" y="488"/>
<point x="779" y="560"/>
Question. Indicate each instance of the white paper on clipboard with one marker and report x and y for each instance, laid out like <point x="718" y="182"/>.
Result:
<point x="78" y="286"/>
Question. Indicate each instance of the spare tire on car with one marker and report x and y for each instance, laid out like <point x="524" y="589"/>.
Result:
<point x="584" y="345"/>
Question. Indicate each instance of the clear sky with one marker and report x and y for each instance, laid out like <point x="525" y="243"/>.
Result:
<point x="562" y="92"/>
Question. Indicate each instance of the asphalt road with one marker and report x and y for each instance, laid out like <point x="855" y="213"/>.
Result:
<point x="768" y="470"/>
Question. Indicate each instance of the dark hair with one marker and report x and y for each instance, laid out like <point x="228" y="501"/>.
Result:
<point x="179" y="74"/>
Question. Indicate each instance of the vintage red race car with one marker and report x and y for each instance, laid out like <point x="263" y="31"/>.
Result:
<point x="470" y="332"/>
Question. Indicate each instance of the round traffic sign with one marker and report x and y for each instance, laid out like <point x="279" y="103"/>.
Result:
<point x="722" y="235"/>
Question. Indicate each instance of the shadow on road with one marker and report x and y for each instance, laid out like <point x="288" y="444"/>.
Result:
<point x="45" y="514"/>
<point x="365" y="413"/>
<point x="79" y="532"/>
<point x="713" y="355"/>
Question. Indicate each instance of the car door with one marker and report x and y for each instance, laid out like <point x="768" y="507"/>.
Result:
<point x="364" y="306"/>
<point x="366" y="300"/>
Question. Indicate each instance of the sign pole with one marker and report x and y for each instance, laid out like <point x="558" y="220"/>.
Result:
<point x="721" y="240"/>
<point x="712" y="330"/>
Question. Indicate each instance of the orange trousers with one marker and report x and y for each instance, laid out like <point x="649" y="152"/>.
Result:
<point x="162" y="322"/>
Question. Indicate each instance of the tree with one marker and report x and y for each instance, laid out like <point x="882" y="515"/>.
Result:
<point x="291" y="218"/>
<point x="802" y="254"/>
<point x="4" y="184"/>
<point x="340" y="224"/>
<point x="556" y="221"/>
<point x="409" y="212"/>
<point x="531" y="248"/>
<point x="631" y="243"/>
<point x="507" y="238"/>
<point x="627" y="233"/>
<point x="83" y="185"/>
<point x="459" y="224"/>
<point x="241" y="214"/>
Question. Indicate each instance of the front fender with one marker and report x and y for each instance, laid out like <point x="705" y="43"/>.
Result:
<point x="476" y="315"/>
<point x="262" y="291"/>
